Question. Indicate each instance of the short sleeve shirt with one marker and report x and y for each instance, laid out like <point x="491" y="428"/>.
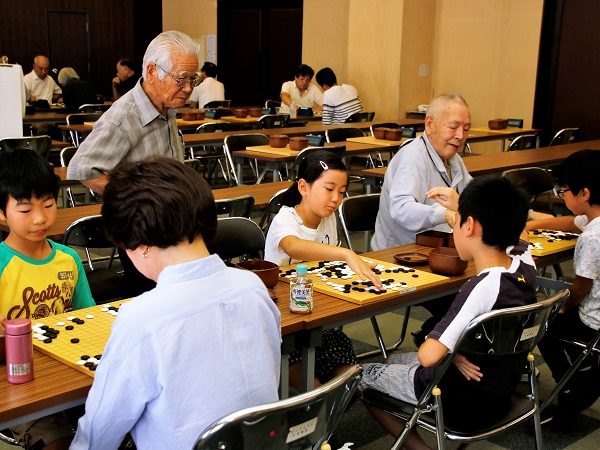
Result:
<point x="313" y="96"/>
<point x="288" y="223"/>
<point x="34" y="289"/>
<point x="131" y="130"/>
<point x="586" y="262"/>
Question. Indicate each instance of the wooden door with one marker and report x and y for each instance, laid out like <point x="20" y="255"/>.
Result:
<point x="69" y="40"/>
<point x="259" y="44"/>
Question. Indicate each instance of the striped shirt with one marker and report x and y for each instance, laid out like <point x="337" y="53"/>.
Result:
<point x="340" y="102"/>
<point x="131" y="130"/>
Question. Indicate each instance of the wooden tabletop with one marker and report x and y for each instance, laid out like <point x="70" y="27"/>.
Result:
<point x="46" y="117"/>
<point x="191" y="140"/>
<point x="498" y="162"/>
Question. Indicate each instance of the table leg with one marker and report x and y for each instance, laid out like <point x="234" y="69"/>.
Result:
<point x="309" y="340"/>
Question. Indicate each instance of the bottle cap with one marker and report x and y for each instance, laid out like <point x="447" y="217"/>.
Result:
<point x="301" y="269"/>
<point x="15" y="327"/>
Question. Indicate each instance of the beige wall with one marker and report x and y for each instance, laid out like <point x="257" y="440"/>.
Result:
<point x="486" y="50"/>
<point x="197" y="18"/>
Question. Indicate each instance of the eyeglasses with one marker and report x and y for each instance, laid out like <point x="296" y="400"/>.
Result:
<point x="561" y="192"/>
<point x="183" y="82"/>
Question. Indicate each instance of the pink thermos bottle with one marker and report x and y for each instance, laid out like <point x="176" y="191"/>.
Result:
<point x="19" y="351"/>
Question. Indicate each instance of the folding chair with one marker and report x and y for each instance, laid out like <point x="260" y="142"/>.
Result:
<point x="88" y="233"/>
<point x="218" y="104"/>
<point x="523" y="142"/>
<point x="301" y="422"/>
<point x="237" y="237"/>
<point x="240" y="142"/>
<point x="207" y="154"/>
<point x="273" y="121"/>
<point x="564" y="136"/>
<point x="588" y="349"/>
<point x="535" y="181"/>
<point x="41" y="144"/>
<point x="360" y="117"/>
<point x="235" y="207"/>
<point x="94" y="108"/>
<point x="502" y="332"/>
<point x="270" y="211"/>
<point x="78" y="119"/>
<point x="341" y="134"/>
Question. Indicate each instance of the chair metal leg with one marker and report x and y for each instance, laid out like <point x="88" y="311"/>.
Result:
<point x="379" y="337"/>
<point x="439" y="418"/>
<point x="397" y="344"/>
<point x="536" y="416"/>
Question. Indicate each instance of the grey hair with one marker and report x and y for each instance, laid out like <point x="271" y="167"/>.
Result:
<point x="163" y="46"/>
<point x="66" y="74"/>
<point x="438" y="105"/>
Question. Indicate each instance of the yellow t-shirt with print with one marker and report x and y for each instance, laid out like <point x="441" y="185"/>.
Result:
<point x="34" y="289"/>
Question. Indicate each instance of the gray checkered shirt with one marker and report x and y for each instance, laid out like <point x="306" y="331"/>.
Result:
<point x="131" y="130"/>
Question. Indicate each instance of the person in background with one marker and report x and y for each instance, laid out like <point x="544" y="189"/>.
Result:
<point x="579" y="318"/>
<point x="300" y="91"/>
<point x="76" y="92"/>
<point x="38" y="85"/>
<point x="489" y="223"/>
<point x="204" y="343"/>
<point x="210" y="89"/>
<point x="38" y="277"/>
<point x="141" y="124"/>
<point x="125" y="79"/>
<point x="339" y="101"/>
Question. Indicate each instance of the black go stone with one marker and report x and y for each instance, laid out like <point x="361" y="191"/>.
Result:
<point x="74" y="341"/>
<point x="47" y="341"/>
<point x="69" y="327"/>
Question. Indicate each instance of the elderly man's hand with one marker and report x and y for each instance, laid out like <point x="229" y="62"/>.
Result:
<point x="445" y="196"/>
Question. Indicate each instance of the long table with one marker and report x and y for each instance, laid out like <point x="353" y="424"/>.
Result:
<point x="57" y="386"/>
<point x="499" y="162"/>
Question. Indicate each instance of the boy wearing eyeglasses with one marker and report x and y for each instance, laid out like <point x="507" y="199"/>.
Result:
<point x="579" y="318"/>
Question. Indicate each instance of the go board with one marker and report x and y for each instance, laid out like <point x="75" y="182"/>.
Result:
<point x="336" y="279"/>
<point x="81" y="337"/>
<point x="546" y="242"/>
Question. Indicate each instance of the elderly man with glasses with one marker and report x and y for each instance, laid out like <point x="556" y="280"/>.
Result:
<point x="141" y="124"/>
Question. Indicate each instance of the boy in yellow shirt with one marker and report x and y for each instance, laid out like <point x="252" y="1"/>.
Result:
<point x="38" y="277"/>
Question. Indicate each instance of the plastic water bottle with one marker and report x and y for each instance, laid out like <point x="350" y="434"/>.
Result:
<point x="293" y="110"/>
<point x="301" y="291"/>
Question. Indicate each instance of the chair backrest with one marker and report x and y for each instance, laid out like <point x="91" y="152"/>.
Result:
<point x="235" y="207"/>
<point x="79" y="118"/>
<point x="272" y="104"/>
<point x="87" y="232"/>
<point x="341" y="134"/>
<point x="564" y="136"/>
<point x="523" y="142"/>
<point x="237" y="237"/>
<point x="218" y="104"/>
<point x="273" y="425"/>
<point x="358" y="213"/>
<point x="273" y="121"/>
<point x="94" y="108"/>
<point x="220" y="112"/>
<point x="214" y="127"/>
<point x="41" y="144"/>
<point x="236" y="142"/>
<point x="360" y="117"/>
<point x="270" y="211"/>
<point x="533" y="180"/>
<point x="507" y="331"/>
<point x="339" y="150"/>
<point x="66" y="154"/>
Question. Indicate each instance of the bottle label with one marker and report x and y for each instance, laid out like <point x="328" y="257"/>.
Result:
<point x="19" y="369"/>
<point x="301" y="298"/>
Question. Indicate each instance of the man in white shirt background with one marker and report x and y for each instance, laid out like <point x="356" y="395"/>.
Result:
<point x="210" y="89"/>
<point x="38" y="85"/>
